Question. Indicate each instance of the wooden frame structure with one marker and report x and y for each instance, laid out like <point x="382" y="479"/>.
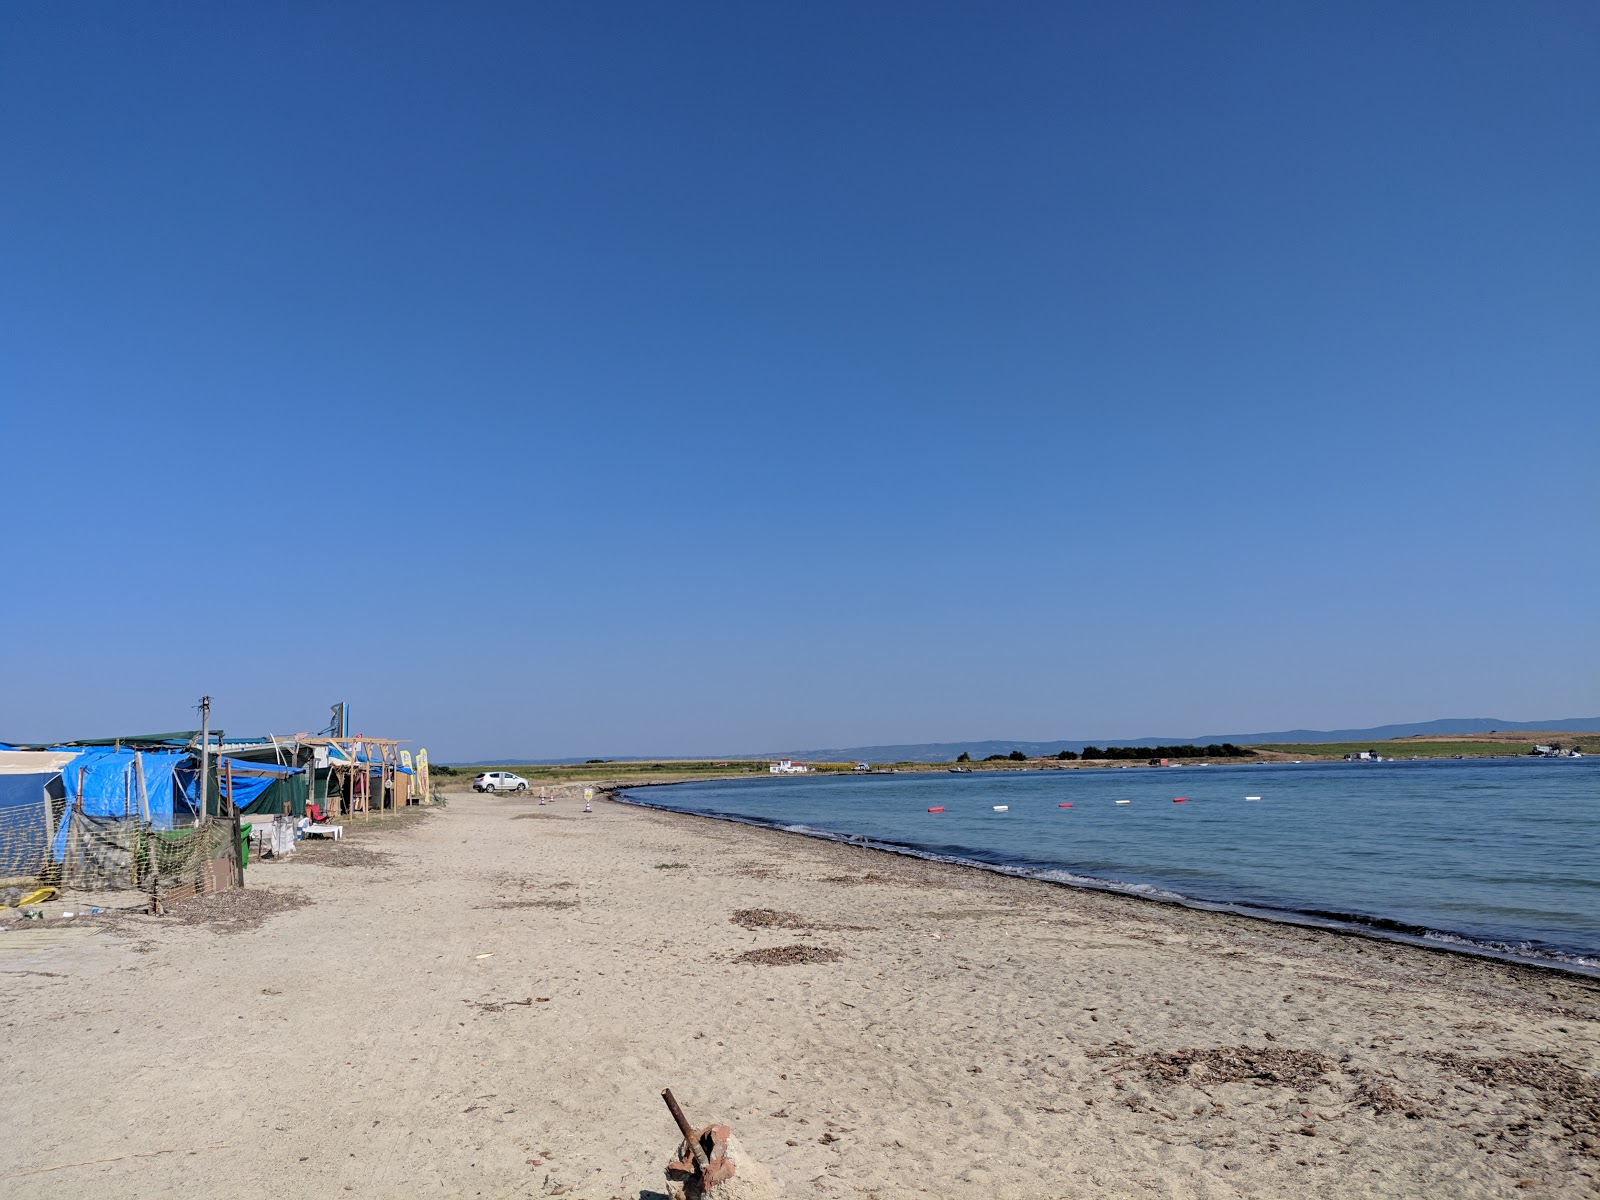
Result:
<point x="357" y="774"/>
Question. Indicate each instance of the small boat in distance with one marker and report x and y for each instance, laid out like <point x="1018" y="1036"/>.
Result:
<point x="959" y="770"/>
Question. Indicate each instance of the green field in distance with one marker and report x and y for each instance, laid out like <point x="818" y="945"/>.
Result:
<point x="1588" y="743"/>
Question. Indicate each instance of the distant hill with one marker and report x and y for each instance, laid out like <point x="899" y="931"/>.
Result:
<point x="947" y="751"/>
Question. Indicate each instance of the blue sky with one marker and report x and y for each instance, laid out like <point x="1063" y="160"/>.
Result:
<point x="582" y="379"/>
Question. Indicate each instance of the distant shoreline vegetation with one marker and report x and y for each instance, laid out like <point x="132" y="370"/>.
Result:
<point x="1214" y="750"/>
<point x="1096" y="754"/>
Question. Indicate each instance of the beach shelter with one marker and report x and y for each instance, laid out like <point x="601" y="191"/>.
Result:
<point x="110" y="782"/>
<point x="30" y="781"/>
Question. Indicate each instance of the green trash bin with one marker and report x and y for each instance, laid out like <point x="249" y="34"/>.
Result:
<point x="244" y="844"/>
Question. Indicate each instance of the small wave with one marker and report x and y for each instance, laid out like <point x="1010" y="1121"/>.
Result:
<point x="1521" y="950"/>
<point x="1072" y="879"/>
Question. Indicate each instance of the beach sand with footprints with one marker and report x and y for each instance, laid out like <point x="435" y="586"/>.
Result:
<point x="487" y="1001"/>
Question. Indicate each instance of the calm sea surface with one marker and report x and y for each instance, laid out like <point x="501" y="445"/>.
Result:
<point x="1498" y="856"/>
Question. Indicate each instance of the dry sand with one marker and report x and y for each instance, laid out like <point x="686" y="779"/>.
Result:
<point x="488" y="1001"/>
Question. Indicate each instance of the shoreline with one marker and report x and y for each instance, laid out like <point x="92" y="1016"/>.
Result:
<point x="1441" y="941"/>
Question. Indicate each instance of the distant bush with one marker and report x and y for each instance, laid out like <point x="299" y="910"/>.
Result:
<point x="963" y="757"/>
<point x="1017" y="756"/>
<point x="590" y="761"/>
<point x="995" y="758"/>
<point x="434" y="769"/>
<point x="1067" y="755"/>
<point x="1225" y="750"/>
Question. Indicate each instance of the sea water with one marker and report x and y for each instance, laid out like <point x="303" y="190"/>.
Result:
<point x="1498" y="856"/>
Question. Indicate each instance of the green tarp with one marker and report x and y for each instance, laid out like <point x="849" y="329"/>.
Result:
<point x="280" y="792"/>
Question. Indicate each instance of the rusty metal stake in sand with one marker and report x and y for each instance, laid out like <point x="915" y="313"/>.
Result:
<point x="700" y="1159"/>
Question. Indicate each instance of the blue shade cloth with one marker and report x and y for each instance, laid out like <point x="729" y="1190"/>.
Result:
<point x="19" y="791"/>
<point x="22" y="824"/>
<point x="337" y="755"/>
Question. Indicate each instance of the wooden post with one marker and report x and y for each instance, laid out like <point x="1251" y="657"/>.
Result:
<point x="144" y="817"/>
<point x="144" y="798"/>
<point x="205" y="755"/>
<point x="127" y="811"/>
<point x="72" y="826"/>
<point x="237" y="848"/>
<point x="49" y="831"/>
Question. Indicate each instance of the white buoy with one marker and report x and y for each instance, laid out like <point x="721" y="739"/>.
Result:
<point x="1124" y="801"/>
<point x="1252" y="797"/>
<point x="1002" y="808"/>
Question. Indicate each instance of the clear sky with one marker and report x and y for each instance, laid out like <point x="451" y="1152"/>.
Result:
<point x="648" y="378"/>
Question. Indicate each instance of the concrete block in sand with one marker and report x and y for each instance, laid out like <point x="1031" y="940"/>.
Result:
<point x="733" y="1174"/>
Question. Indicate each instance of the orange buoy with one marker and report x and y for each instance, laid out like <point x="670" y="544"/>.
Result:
<point x="1180" y="799"/>
<point x="939" y="809"/>
<point x="1063" y="806"/>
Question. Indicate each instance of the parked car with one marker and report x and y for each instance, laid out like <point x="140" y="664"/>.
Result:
<point x="499" y="781"/>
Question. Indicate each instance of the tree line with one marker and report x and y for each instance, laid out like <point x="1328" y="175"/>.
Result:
<point x="1214" y="750"/>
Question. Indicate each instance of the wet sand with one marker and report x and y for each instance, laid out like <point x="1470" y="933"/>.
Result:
<point x="487" y="1002"/>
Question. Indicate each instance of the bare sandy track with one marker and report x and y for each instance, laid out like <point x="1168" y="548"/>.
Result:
<point x="976" y="1035"/>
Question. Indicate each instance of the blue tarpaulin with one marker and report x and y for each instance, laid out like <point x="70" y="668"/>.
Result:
<point x="250" y="779"/>
<point x="110" y="787"/>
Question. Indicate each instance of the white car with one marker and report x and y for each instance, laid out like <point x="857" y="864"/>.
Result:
<point x="499" y="781"/>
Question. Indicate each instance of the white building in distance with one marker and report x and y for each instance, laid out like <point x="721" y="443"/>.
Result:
<point x="785" y="766"/>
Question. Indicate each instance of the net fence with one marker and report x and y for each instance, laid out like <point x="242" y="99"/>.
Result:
<point x="93" y="856"/>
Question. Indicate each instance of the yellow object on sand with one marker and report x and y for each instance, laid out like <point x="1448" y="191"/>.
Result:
<point x="42" y="896"/>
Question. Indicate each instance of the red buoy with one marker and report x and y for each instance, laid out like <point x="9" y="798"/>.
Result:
<point x="1180" y="799"/>
<point x="1063" y="806"/>
<point x="939" y="809"/>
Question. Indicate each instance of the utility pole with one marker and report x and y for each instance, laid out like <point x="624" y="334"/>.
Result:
<point x="205" y="754"/>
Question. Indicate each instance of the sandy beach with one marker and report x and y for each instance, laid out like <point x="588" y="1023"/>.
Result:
<point x="487" y="1000"/>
